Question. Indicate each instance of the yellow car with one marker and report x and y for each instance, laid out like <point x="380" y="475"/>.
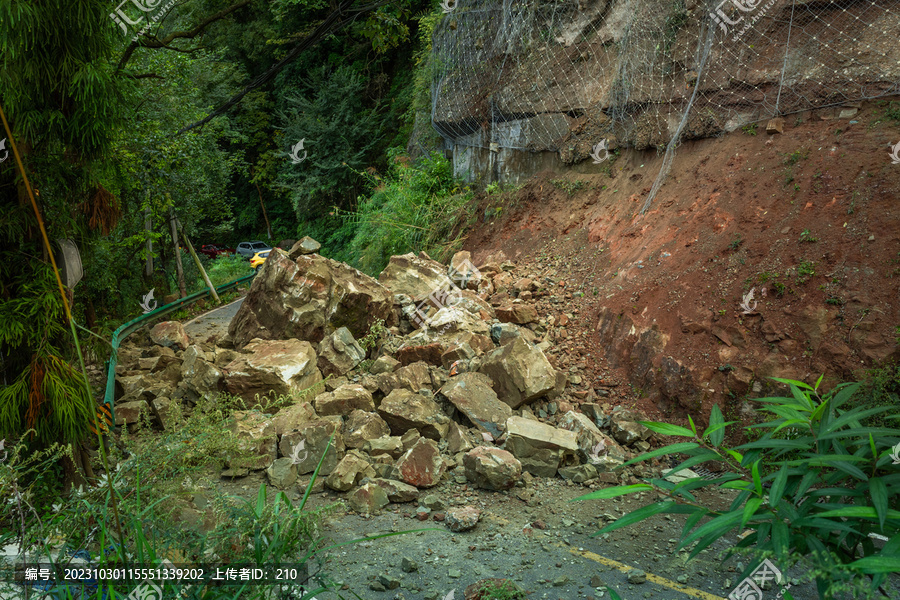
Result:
<point x="258" y="259"/>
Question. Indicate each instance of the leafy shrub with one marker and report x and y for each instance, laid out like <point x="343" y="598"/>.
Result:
<point x="831" y="484"/>
<point x="223" y="269"/>
<point x="415" y="207"/>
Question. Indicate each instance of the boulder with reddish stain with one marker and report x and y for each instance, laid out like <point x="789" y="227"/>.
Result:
<point x="520" y="371"/>
<point x="307" y="299"/>
<point x="368" y="498"/>
<point x="421" y="465"/>
<point x="170" y="334"/>
<point x="472" y="395"/>
<point x="492" y="468"/>
<point x="344" y="400"/>
<point x="363" y="426"/>
<point x="517" y="312"/>
<point x="404" y="410"/>
<point x="463" y="518"/>
<point x="279" y="367"/>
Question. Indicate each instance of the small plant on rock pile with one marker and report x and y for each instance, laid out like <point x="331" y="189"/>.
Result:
<point x="830" y="490"/>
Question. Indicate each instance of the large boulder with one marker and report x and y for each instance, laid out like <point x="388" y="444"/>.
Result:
<point x="280" y="367"/>
<point x="538" y="446"/>
<point x="307" y="299"/>
<point x="352" y="469"/>
<point x="412" y="377"/>
<point x="517" y="312"/>
<point x="291" y="418"/>
<point x="256" y="441"/>
<point x="492" y="468"/>
<point x="421" y="465"/>
<point x="592" y="443"/>
<point x="339" y="352"/>
<point x="344" y="400"/>
<point x="170" y="334"/>
<point x="472" y="395"/>
<point x="625" y="427"/>
<point x="362" y="427"/>
<point x="315" y="436"/>
<point x="198" y="375"/>
<point x="520" y="372"/>
<point x="368" y="498"/>
<point x="416" y="277"/>
<point x="304" y="246"/>
<point x="397" y="491"/>
<point x="403" y="410"/>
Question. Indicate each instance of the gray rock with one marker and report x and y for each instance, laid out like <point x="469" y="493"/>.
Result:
<point x="281" y="367"/>
<point x="492" y="468"/>
<point x="282" y="473"/>
<point x="304" y="246"/>
<point x="520" y="372"/>
<point x="339" y="353"/>
<point x="472" y="395"/>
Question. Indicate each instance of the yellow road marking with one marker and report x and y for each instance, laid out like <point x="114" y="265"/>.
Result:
<point x="678" y="587"/>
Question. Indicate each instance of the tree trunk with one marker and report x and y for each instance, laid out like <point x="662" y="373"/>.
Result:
<point x="265" y="216"/>
<point x="178" y="267"/>
<point x="187" y="242"/>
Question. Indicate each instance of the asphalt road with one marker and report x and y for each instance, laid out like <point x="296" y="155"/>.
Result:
<point x="214" y="322"/>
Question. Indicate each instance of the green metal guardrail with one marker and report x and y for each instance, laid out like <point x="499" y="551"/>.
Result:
<point x="131" y="326"/>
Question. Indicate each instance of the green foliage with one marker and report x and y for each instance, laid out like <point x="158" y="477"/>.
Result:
<point x="829" y="484"/>
<point x="416" y="207"/>
<point x="377" y="331"/>
<point x="796" y="156"/>
<point x="805" y="270"/>
<point x="892" y="111"/>
<point x="338" y="133"/>
<point x="569" y="187"/>
<point x="749" y="129"/>
<point x="736" y="243"/>
<point x="806" y="236"/>
<point x="223" y="269"/>
<point x="504" y="590"/>
<point x="880" y="388"/>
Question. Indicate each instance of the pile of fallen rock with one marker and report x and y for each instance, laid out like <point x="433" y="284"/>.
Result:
<point x="469" y="396"/>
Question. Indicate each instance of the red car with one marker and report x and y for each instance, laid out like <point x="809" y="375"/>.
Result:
<point x="215" y="251"/>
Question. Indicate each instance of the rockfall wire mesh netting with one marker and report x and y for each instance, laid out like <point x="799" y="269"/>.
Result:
<point x="548" y="75"/>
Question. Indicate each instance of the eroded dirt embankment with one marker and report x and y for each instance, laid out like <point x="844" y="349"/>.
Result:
<point x="808" y="220"/>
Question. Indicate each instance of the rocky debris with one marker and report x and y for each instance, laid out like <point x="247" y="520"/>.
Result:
<point x="492" y="468"/>
<point x="416" y="277"/>
<point x="538" y="446"/>
<point x="368" y="498"/>
<point x="517" y="312"/>
<point x="636" y="576"/>
<point x="282" y="473"/>
<point x="304" y="246"/>
<point x="421" y="465"/>
<point x="130" y="412"/>
<point x="290" y="418"/>
<point x="472" y="395"/>
<point x="344" y="400"/>
<point x="503" y="333"/>
<point x="361" y="427"/>
<point x="397" y="491"/>
<point x="339" y="352"/>
<point x="463" y="518"/>
<point x="315" y="436"/>
<point x="266" y="367"/>
<point x="625" y="427"/>
<point x="170" y="334"/>
<point x="521" y="373"/>
<point x="384" y="364"/>
<point x="412" y="377"/>
<point x="257" y="441"/>
<point x="391" y="445"/>
<point x="199" y="375"/>
<point x="348" y="473"/>
<point x="592" y="443"/>
<point x="404" y="410"/>
<point x="307" y="299"/>
<point x="579" y="473"/>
